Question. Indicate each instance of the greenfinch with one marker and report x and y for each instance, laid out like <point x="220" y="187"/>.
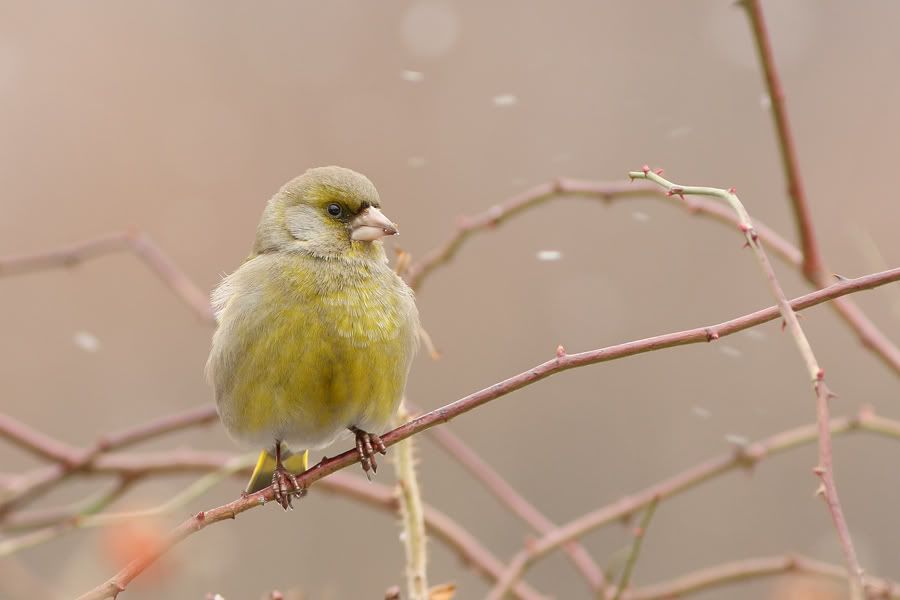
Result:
<point x="315" y="332"/>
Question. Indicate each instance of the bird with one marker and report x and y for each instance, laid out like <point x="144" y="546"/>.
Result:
<point x="315" y="332"/>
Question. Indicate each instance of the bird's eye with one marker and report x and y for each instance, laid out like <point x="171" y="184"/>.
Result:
<point x="334" y="209"/>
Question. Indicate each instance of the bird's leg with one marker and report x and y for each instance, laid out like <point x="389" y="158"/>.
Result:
<point x="284" y="482"/>
<point x="367" y="445"/>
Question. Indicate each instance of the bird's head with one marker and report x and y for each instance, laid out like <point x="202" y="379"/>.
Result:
<point x="327" y="212"/>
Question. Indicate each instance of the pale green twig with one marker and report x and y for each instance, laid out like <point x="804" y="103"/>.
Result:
<point x="636" y="548"/>
<point x="816" y="374"/>
<point x="412" y="515"/>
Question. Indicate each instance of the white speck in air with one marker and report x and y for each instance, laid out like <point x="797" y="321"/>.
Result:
<point x="549" y="255"/>
<point x="86" y="341"/>
<point x="412" y="76"/>
<point x="504" y="100"/>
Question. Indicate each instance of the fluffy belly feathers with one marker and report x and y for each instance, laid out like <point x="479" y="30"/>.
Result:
<point x="304" y="369"/>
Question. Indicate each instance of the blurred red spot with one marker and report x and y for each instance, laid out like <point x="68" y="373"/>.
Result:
<point x="137" y="540"/>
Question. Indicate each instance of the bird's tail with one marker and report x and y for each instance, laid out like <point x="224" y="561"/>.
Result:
<point x="265" y="467"/>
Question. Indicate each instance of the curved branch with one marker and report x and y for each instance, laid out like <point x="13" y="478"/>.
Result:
<point x="518" y="504"/>
<point x="871" y="337"/>
<point x="136" y="242"/>
<point x="743" y="457"/>
<point x="753" y="568"/>
<point x="561" y="362"/>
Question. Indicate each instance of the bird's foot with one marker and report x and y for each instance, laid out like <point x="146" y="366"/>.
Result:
<point x="367" y="446"/>
<point x="286" y="486"/>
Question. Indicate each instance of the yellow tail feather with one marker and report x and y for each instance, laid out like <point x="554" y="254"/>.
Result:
<point x="265" y="467"/>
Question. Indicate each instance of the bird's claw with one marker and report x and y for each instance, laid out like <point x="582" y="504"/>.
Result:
<point x="286" y="486"/>
<point x="367" y="446"/>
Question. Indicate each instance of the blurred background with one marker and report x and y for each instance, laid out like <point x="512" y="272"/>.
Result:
<point x="182" y="118"/>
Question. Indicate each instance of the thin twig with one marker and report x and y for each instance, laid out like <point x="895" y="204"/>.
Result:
<point x="813" y="267"/>
<point x="561" y="362"/>
<point x="71" y="460"/>
<point x="743" y="457"/>
<point x="136" y="242"/>
<point x="412" y="516"/>
<point x="816" y="374"/>
<point x="467" y="547"/>
<point x="754" y="568"/>
<point x="635" y="551"/>
<point x="518" y="504"/>
<point x="871" y="337"/>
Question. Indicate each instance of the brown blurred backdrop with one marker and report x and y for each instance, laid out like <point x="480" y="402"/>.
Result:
<point x="182" y="118"/>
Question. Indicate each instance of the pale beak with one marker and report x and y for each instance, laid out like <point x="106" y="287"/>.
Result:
<point x="371" y="225"/>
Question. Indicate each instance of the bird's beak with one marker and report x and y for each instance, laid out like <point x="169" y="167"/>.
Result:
<point x="371" y="225"/>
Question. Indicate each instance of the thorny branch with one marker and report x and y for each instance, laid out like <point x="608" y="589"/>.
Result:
<point x="813" y="267"/>
<point x="561" y="362"/>
<point x="91" y="460"/>
<point x="519" y="505"/>
<point x="815" y="372"/>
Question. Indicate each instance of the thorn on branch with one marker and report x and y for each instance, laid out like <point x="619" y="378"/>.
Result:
<point x="558" y="186"/>
<point x="711" y="334"/>
<point x="732" y="190"/>
<point x="392" y="593"/>
<point x="645" y="169"/>
<point x="749" y="454"/>
<point x="560" y="351"/>
<point x="659" y="172"/>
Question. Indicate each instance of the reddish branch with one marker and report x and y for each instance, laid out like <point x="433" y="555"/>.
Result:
<point x="519" y="505"/>
<point x="70" y="460"/>
<point x="135" y="242"/>
<point x="813" y="267"/>
<point x="743" y="457"/>
<point x="868" y="333"/>
<point x="810" y="261"/>
<point x="814" y="370"/>
<point x="742" y="570"/>
<point x="561" y="362"/>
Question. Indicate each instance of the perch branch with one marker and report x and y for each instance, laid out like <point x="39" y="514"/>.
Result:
<point x="561" y="362"/>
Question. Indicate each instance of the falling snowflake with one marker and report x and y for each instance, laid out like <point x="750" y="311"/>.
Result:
<point x="86" y="341"/>
<point x="549" y="255"/>
<point x="505" y="100"/>
<point x="412" y="76"/>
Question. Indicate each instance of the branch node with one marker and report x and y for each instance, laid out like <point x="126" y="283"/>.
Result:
<point x="711" y="334"/>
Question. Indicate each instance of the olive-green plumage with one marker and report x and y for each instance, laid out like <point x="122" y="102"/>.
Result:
<point x="315" y="331"/>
